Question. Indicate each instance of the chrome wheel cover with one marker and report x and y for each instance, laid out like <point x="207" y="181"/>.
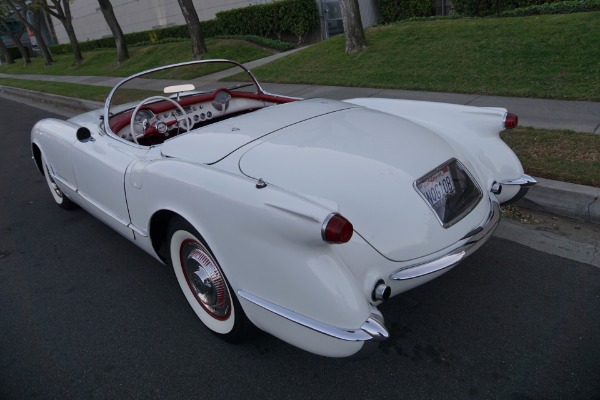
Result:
<point x="205" y="279"/>
<point x="55" y="187"/>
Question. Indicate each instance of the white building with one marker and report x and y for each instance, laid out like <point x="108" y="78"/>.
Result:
<point x="143" y="15"/>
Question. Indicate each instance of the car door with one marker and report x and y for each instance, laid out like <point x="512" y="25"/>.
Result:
<point x="99" y="165"/>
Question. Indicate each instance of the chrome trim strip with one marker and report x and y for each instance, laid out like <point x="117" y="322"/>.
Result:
<point x="372" y="329"/>
<point x="446" y="261"/>
<point x="524" y="181"/>
<point x="137" y="230"/>
<point x="455" y="256"/>
<point x="324" y="226"/>
<point x="61" y="180"/>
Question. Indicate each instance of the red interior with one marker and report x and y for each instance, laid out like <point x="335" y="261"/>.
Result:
<point x="121" y="120"/>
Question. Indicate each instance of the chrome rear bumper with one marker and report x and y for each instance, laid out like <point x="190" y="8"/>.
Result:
<point x="372" y="329"/>
<point x="524" y="181"/>
<point x="471" y="242"/>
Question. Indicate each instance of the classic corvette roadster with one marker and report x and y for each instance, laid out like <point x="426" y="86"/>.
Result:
<point x="297" y="216"/>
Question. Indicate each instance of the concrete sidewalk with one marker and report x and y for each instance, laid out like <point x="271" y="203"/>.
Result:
<point x="575" y="201"/>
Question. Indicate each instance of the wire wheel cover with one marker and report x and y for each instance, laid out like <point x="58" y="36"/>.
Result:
<point x="205" y="279"/>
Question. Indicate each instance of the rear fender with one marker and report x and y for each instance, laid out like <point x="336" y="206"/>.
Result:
<point x="268" y="241"/>
<point x="472" y="131"/>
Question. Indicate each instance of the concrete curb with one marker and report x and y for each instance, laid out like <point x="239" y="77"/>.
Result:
<point x="561" y="198"/>
<point x="565" y="199"/>
<point x="54" y="99"/>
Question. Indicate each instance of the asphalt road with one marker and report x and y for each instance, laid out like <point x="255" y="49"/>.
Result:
<point x="85" y="314"/>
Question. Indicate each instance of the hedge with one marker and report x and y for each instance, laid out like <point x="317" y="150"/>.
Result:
<point x="482" y="8"/>
<point x="561" y="7"/>
<point x="297" y="17"/>
<point x="396" y="10"/>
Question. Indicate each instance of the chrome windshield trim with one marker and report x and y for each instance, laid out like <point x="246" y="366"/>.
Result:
<point x="524" y="181"/>
<point x="107" y="102"/>
<point x="471" y="243"/>
<point x="372" y="329"/>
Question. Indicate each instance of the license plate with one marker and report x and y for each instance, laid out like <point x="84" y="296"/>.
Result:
<point x="437" y="187"/>
<point x="450" y="191"/>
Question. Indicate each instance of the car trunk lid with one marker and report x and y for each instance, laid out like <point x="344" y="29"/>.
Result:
<point x="367" y="162"/>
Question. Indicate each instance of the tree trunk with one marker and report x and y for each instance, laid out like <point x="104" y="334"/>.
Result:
<point x="5" y="53"/>
<point x="37" y="31"/>
<point x="35" y="27"/>
<point x="68" y="23"/>
<point x="17" y="41"/>
<point x="355" y="36"/>
<point x="194" y="28"/>
<point x="63" y="14"/>
<point x="115" y="28"/>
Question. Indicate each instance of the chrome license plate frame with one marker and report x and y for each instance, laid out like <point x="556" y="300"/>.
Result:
<point x="450" y="191"/>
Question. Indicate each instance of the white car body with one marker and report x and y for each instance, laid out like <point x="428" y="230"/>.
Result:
<point x="259" y="188"/>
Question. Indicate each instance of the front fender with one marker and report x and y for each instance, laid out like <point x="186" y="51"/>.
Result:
<point x="54" y="139"/>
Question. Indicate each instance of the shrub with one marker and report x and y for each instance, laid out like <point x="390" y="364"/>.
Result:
<point x="396" y="10"/>
<point x="561" y="7"/>
<point x="481" y="8"/>
<point x="298" y="17"/>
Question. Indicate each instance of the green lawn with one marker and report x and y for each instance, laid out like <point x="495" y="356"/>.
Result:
<point x="546" y="56"/>
<point x="557" y="154"/>
<point x="86" y="92"/>
<point x="103" y="62"/>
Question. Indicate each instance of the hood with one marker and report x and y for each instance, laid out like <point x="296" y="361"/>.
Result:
<point x="367" y="162"/>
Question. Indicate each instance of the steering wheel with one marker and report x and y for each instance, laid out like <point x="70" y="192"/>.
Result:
<point x="137" y="109"/>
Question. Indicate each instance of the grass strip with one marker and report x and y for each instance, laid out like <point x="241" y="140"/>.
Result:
<point x="80" y="91"/>
<point x="561" y="155"/>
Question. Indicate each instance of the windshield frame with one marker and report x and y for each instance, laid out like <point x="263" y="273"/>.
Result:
<point x="107" y="105"/>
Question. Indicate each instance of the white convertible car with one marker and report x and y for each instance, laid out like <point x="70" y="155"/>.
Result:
<point x="297" y="216"/>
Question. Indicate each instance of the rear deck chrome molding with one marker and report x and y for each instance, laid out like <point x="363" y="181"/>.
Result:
<point x="471" y="243"/>
<point x="523" y="181"/>
<point x="373" y="329"/>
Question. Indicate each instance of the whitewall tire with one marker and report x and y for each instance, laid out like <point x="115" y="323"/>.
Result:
<point x="57" y="194"/>
<point x="203" y="283"/>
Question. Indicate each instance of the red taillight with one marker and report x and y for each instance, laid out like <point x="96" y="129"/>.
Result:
<point x="510" y="121"/>
<point x="337" y="229"/>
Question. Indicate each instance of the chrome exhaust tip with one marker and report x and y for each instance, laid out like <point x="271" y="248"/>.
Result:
<point x="381" y="292"/>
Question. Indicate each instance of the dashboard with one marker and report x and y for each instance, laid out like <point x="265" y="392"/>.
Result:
<point x="157" y="121"/>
